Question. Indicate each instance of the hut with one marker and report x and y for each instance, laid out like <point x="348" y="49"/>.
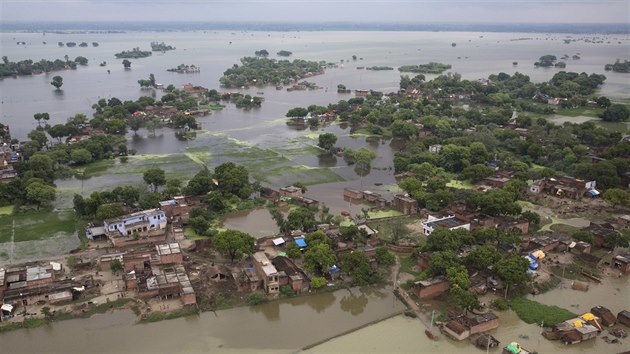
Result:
<point x="623" y="317"/>
<point x="486" y="341"/>
<point x="607" y="317"/>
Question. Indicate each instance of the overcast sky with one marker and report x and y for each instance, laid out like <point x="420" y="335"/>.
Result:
<point x="415" y="11"/>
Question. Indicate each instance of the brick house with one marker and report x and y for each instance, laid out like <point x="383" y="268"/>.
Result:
<point x="405" y="204"/>
<point x="431" y="287"/>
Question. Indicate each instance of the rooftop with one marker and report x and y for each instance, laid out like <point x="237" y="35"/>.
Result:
<point x="449" y="222"/>
<point x="267" y="267"/>
<point x="147" y="213"/>
<point x="168" y="248"/>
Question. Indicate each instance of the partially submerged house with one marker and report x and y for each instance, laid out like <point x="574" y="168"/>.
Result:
<point x="163" y="282"/>
<point x="623" y="317"/>
<point x="268" y="273"/>
<point x="290" y="274"/>
<point x="622" y="262"/>
<point x="575" y="330"/>
<point x="565" y="187"/>
<point x="607" y="317"/>
<point x="405" y="204"/>
<point x="462" y="325"/>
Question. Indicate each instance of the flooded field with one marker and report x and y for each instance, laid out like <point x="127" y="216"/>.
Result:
<point x="256" y="222"/>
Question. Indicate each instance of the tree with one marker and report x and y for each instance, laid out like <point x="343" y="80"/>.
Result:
<point x="150" y="201"/>
<point x="199" y="224"/>
<point x="109" y="211"/>
<point x="316" y="237"/>
<point x="40" y="193"/>
<point x="617" y="196"/>
<point x="318" y="282"/>
<point x="200" y="184"/>
<point x="80" y="156"/>
<point x="58" y="131"/>
<point x="616" y="113"/>
<point x="297" y="112"/>
<point x="293" y="251"/>
<point x="384" y="256"/>
<point x="327" y="141"/>
<point x="463" y="299"/>
<point x="318" y="258"/>
<point x="476" y="173"/>
<point x="440" y="261"/>
<point x="154" y="177"/>
<point x="482" y="257"/>
<point x="116" y="266"/>
<point x="443" y="239"/>
<point x="403" y="130"/>
<point x="57" y="81"/>
<point x="39" y="137"/>
<point x="357" y="264"/>
<point x="127" y="64"/>
<point x="41" y="116"/>
<point x="582" y="235"/>
<point x="300" y="219"/>
<point x="135" y="123"/>
<point x="234" y="243"/>
<point x="617" y="239"/>
<point x="532" y="217"/>
<point x="233" y="179"/>
<point x="513" y="270"/>
<point x="458" y="277"/>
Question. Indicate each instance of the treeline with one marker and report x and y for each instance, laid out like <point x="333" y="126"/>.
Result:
<point x="30" y="67"/>
<point x="263" y="71"/>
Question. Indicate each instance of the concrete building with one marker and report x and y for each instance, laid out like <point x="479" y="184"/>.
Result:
<point x="163" y="282"/>
<point x="431" y="287"/>
<point x="142" y="227"/>
<point x="176" y="209"/>
<point x="405" y="204"/>
<point x="622" y="262"/>
<point x="293" y="275"/>
<point x="450" y="222"/>
<point x="290" y="191"/>
<point x="164" y="254"/>
<point x="352" y="194"/>
<point x="268" y="273"/>
<point x="435" y="148"/>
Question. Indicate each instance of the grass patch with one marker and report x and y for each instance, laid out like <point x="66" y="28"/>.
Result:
<point x="161" y="316"/>
<point x="192" y="235"/>
<point x="104" y="307"/>
<point x="580" y="111"/>
<point x="407" y="263"/>
<point x="459" y="184"/>
<point x="305" y="174"/>
<point x="6" y="210"/>
<point x="552" y="283"/>
<point x="36" y="225"/>
<point x="534" y="312"/>
<point x="384" y="214"/>
<point x="212" y="106"/>
<point x="563" y="228"/>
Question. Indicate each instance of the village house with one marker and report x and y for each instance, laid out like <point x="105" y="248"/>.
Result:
<point x="455" y="330"/>
<point x="581" y="247"/>
<point x="431" y="287"/>
<point x="563" y="186"/>
<point x="164" y="254"/>
<point x="268" y="273"/>
<point x="495" y="181"/>
<point x="405" y="204"/>
<point x="575" y="330"/>
<point x="450" y="222"/>
<point x="461" y="325"/>
<point x="142" y="227"/>
<point x="601" y="231"/>
<point x="546" y="243"/>
<point x="290" y="191"/>
<point x="607" y="317"/>
<point x="106" y="259"/>
<point x="352" y="194"/>
<point x="622" y="262"/>
<point x="164" y="282"/>
<point x="291" y="274"/>
<point x="623" y="317"/>
<point x="196" y="91"/>
<point x="27" y="285"/>
<point x="176" y="209"/>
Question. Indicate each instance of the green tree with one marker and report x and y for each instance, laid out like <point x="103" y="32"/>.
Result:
<point x="81" y="156"/>
<point x="532" y="217"/>
<point x="58" y="131"/>
<point x="57" y="81"/>
<point x="384" y="256"/>
<point x="482" y="257"/>
<point x="617" y="239"/>
<point x="116" y="266"/>
<point x="404" y="130"/>
<point x="41" y="116"/>
<point x="234" y="243"/>
<point x="154" y="177"/>
<point x="476" y="173"/>
<point x="39" y="137"/>
<point x="616" y="113"/>
<point x="81" y="60"/>
<point x="150" y="201"/>
<point x="300" y="219"/>
<point x="582" y="235"/>
<point x="109" y="211"/>
<point x="458" y="277"/>
<point x="199" y="224"/>
<point x="327" y="141"/>
<point x="126" y="63"/>
<point x="233" y="179"/>
<point x="293" y="251"/>
<point x="443" y="239"/>
<point x="297" y="112"/>
<point x="440" y="261"/>
<point x="318" y="258"/>
<point x="357" y="264"/>
<point x="463" y="299"/>
<point x="316" y="237"/>
<point x="40" y="193"/>
<point x="318" y="282"/>
<point x="513" y="270"/>
<point x="617" y="196"/>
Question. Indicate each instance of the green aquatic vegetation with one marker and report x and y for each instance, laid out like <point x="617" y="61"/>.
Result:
<point x="534" y="312"/>
<point x="36" y="225"/>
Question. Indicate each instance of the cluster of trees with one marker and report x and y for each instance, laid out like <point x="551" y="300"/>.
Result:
<point x="263" y="71"/>
<point x="160" y="47"/>
<point x="430" y="68"/>
<point x="619" y="66"/>
<point x="135" y="53"/>
<point x="30" y="67"/>
<point x="284" y="53"/>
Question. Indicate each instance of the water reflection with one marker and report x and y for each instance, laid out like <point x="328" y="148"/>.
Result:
<point x="270" y="310"/>
<point x="353" y="303"/>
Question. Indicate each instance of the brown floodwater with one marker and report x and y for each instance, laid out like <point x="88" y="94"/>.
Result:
<point x="276" y="327"/>
<point x="256" y="222"/>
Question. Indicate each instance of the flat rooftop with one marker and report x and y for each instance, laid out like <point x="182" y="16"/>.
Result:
<point x="448" y="223"/>
<point x="168" y="248"/>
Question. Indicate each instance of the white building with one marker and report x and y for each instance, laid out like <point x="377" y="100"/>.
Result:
<point x="450" y="222"/>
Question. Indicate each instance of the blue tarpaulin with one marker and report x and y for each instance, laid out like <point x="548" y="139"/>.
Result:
<point x="300" y="242"/>
<point x="334" y="269"/>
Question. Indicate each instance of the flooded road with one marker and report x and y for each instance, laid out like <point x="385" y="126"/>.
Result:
<point x="282" y="326"/>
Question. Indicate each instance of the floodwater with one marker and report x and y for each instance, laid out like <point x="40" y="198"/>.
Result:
<point x="256" y="222"/>
<point x="276" y="327"/>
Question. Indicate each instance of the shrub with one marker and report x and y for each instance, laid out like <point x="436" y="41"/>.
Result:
<point x="318" y="282"/>
<point x="255" y="299"/>
<point x="286" y="291"/>
<point x="501" y="304"/>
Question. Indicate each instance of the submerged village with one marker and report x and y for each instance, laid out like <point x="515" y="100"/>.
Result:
<point x="493" y="202"/>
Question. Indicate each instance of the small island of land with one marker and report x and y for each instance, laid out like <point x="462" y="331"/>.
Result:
<point x="29" y="67"/>
<point x="263" y="71"/>
<point x="160" y="47"/>
<point x="618" y="66"/>
<point x="185" y="69"/>
<point x="284" y="53"/>
<point x="379" y="68"/>
<point x="135" y="53"/>
<point x="431" y="68"/>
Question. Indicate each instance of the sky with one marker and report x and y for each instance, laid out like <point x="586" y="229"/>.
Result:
<point x="408" y="11"/>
